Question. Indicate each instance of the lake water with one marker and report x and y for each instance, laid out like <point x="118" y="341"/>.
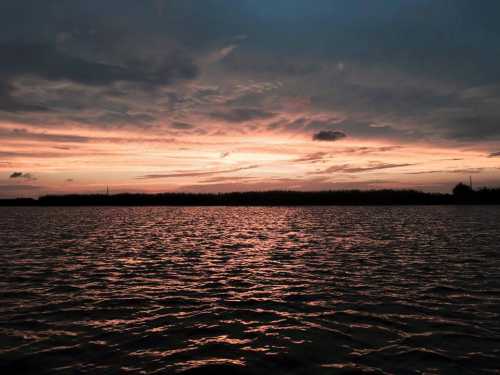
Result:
<point x="307" y="290"/>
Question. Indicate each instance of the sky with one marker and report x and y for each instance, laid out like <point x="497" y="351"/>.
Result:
<point x="239" y="95"/>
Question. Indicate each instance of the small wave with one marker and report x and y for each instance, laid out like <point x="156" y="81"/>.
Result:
<point x="311" y="290"/>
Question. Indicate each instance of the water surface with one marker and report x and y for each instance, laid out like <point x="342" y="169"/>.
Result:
<point x="396" y="290"/>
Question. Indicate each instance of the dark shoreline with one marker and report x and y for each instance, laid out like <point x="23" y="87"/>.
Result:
<point x="269" y="198"/>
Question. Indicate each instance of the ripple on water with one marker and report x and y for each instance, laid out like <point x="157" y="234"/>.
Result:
<point x="376" y="290"/>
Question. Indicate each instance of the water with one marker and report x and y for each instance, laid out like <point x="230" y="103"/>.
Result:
<point x="397" y="290"/>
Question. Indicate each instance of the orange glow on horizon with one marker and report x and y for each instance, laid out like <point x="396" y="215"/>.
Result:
<point x="131" y="161"/>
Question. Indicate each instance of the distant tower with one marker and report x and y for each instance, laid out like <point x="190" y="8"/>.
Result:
<point x="470" y="182"/>
<point x="107" y="190"/>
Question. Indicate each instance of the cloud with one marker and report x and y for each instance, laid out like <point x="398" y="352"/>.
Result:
<point x="317" y="157"/>
<point x="365" y="150"/>
<point x="473" y="127"/>
<point x="181" y="126"/>
<point x="120" y="72"/>
<point x="195" y="173"/>
<point x="42" y="137"/>
<point x="222" y="53"/>
<point x="48" y="62"/>
<point x="270" y="63"/>
<point x="16" y="188"/>
<point x="160" y="6"/>
<point x="297" y="184"/>
<point x="458" y="171"/>
<point x="494" y="154"/>
<point x="312" y="158"/>
<point x="212" y="180"/>
<point x="10" y="104"/>
<point x="327" y="126"/>
<point x="241" y="115"/>
<point x="329" y="135"/>
<point x="24" y="176"/>
<point x="374" y="166"/>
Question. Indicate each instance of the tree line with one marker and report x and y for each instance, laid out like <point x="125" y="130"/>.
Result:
<point x="462" y="194"/>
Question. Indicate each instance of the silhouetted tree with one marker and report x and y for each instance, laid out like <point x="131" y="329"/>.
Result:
<point x="463" y="193"/>
<point x="462" y="190"/>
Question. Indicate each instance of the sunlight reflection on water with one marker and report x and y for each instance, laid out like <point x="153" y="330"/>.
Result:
<point x="250" y="290"/>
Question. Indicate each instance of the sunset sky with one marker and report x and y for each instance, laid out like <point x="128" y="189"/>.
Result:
<point x="236" y="95"/>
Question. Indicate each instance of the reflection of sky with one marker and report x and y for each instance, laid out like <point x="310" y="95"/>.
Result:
<point x="224" y="95"/>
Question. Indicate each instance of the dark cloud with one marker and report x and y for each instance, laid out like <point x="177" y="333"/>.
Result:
<point x="10" y="104"/>
<point x="196" y="173"/>
<point x="110" y="120"/>
<point x="26" y="135"/>
<point x="473" y="128"/>
<point x="42" y="137"/>
<point x="356" y="128"/>
<point x="494" y="154"/>
<point x="48" y="62"/>
<point x="387" y="97"/>
<point x="425" y="69"/>
<point x="241" y="115"/>
<point x="182" y="126"/>
<point x="270" y="64"/>
<point x="329" y="135"/>
<point x="24" y="176"/>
